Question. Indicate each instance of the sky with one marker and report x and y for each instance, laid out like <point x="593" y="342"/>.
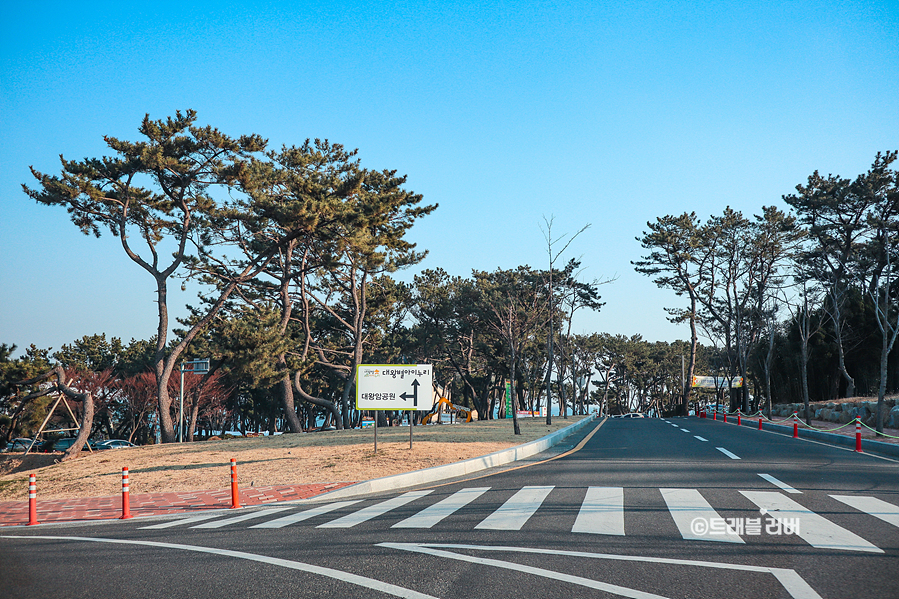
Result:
<point x="503" y="113"/>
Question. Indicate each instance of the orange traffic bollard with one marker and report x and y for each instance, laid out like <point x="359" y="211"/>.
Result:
<point x="725" y="418"/>
<point x="760" y="423"/>
<point x="795" y="427"/>
<point x="739" y="419"/>
<point x="235" y="500"/>
<point x="126" y="500"/>
<point x="32" y="500"/>
<point x="858" y="435"/>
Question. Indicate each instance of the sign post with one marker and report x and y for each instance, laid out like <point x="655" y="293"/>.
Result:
<point x="195" y="366"/>
<point x="392" y="387"/>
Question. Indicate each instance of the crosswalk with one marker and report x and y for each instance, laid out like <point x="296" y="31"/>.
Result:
<point x="601" y="512"/>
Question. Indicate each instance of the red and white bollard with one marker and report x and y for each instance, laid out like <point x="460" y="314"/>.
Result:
<point x="858" y="435"/>
<point x="235" y="500"/>
<point x="725" y="417"/>
<point x="715" y="414"/>
<point x="760" y="423"/>
<point x="32" y="500"/>
<point x="739" y="419"/>
<point x="795" y="426"/>
<point x="126" y="499"/>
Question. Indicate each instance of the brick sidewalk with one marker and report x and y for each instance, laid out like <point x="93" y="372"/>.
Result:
<point x="152" y="504"/>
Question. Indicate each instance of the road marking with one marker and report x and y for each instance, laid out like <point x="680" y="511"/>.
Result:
<point x="780" y="484"/>
<point x="373" y="511"/>
<point x="517" y="510"/>
<point x="305" y="515"/>
<point x="789" y="579"/>
<point x="242" y="518"/>
<point x="602" y="512"/>
<point x="182" y="521"/>
<point x="430" y="516"/>
<point x="728" y="454"/>
<point x="815" y="530"/>
<point x="362" y="581"/>
<point x="687" y="506"/>
<point x="685" y="430"/>
<point x="872" y="506"/>
<point x="700" y="438"/>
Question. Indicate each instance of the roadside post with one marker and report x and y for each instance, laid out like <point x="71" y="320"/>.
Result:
<point x="235" y="497"/>
<point x="795" y="426"/>
<point x="126" y="499"/>
<point x="394" y="387"/>
<point x="858" y="435"/>
<point x="32" y="500"/>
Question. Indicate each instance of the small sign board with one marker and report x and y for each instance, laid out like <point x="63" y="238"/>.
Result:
<point x="394" y="386"/>
<point x="712" y="382"/>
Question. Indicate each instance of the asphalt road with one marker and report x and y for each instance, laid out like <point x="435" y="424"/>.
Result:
<point x="645" y="508"/>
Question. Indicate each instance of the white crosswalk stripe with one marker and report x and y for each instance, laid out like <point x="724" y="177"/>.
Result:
<point x="688" y="508"/>
<point x="305" y="514"/>
<point x="517" y="510"/>
<point x="428" y="517"/>
<point x="242" y="518"/>
<point x="815" y="530"/>
<point x="602" y="512"/>
<point x="374" y="511"/>
<point x="887" y="512"/>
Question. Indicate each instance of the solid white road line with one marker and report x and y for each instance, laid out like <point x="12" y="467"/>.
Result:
<point x="700" y="438"/>
<point x="373" y="511"/>
<point x="887" y="512"/>
<point x="430" y="516"/>
<point x="242" y="518"/>
<point x="728" y="454"/>
<point x="687" y="506"/>
<point x="362" y="581"/>
<point x="305" y="515"/>
<point x="515" y="512"/>
<point x="780" y="484"/>
<point x="182" y="521"/>
<point x="791" y="581"/>
<point x="815" y="530"/>
<point x="602" y="512"/>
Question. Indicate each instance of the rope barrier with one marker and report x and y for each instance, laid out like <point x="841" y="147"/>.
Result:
<point x="875" y="430"/>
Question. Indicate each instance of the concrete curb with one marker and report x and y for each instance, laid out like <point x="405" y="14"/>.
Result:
<point x="447" y="471"/>
<point x="868" y="445"/>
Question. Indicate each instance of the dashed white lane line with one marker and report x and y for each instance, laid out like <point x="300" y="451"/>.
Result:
<point x="728" y="454"/>
<point x="362" y="581"/>
<point x="780" y="484"/>
<point x="701" y="438"/>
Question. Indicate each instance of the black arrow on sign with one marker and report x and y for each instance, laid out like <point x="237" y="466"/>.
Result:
<point x="414" y="396"/>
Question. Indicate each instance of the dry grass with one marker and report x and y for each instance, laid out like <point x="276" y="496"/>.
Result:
<point x="285" y="459"/>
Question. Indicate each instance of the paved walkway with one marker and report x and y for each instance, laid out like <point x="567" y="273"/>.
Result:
<point x="152" y="504"/>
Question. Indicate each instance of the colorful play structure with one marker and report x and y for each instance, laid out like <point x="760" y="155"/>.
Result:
<point x="445" y="406"/>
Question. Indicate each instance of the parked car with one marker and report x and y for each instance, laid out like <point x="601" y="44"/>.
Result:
<point x="634" y="415"/>
<point x="18" y="444"/>
<point x="64" y="443"/>
<point x="113" y="444"/>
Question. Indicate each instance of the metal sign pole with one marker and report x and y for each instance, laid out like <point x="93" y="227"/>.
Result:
<point x="410" y="429"/>
<point x="376" y="432"/>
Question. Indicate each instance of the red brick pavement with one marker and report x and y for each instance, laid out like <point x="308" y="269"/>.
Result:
<point x="151" y="504"/>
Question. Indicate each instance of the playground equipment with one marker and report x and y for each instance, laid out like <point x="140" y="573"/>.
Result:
<point x="445" y="406"/>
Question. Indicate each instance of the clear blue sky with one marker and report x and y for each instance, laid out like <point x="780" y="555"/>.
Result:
<point x="502" y="112"/>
